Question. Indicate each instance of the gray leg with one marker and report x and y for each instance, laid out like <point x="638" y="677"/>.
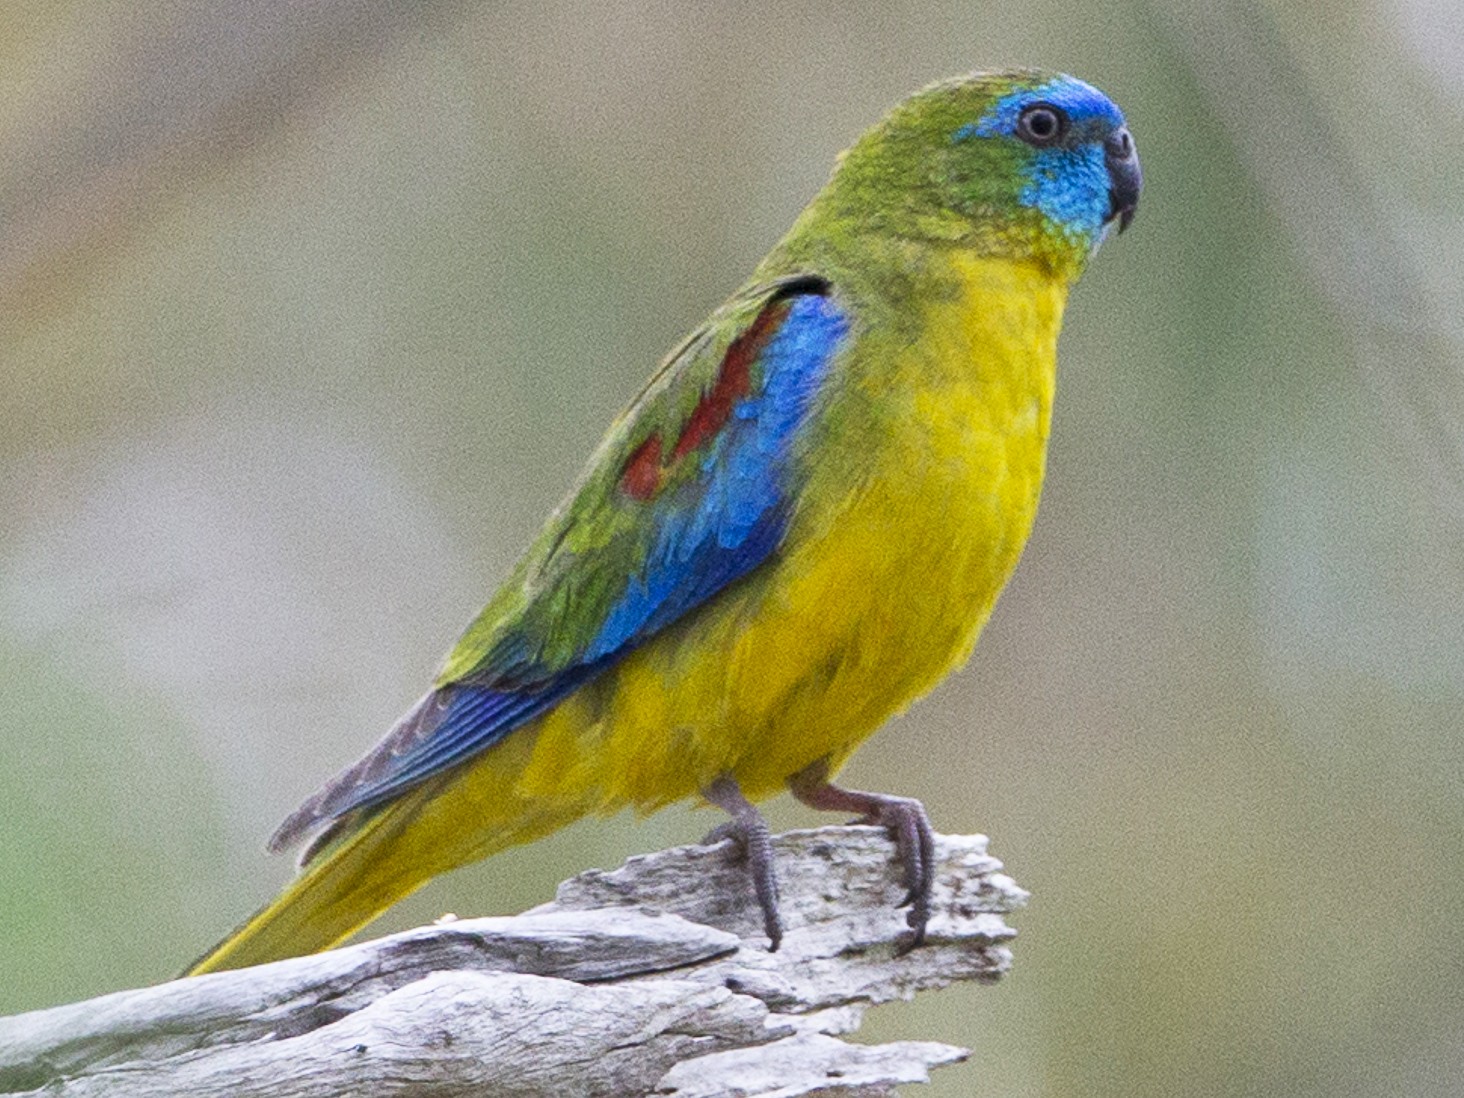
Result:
<point x="750" y="831"/>
<point x="907" y="823"/>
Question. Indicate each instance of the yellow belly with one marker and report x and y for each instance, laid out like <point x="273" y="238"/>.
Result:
<point x="913" y="522"/>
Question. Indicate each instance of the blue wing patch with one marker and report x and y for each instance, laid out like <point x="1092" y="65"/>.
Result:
<point x="708" y="531"/>
<point x="738" y="516"/>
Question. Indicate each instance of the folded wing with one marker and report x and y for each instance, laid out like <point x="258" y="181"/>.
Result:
<point x="689" y="492"/>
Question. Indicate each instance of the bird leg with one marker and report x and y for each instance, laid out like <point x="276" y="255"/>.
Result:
<point x="750" y="831"/>
<point x="903" y="817"/>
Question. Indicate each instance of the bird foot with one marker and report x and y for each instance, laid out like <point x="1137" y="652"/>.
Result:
<point x="908" y="824"/>
<point x="750" y="832"/>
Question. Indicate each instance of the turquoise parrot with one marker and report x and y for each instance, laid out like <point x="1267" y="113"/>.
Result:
<point x="796" y="529"/>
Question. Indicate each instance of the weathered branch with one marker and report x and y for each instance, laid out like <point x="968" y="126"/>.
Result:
<point x="651" y="979"/>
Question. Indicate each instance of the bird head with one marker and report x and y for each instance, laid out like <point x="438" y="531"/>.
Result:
<point x="1035" y="164"/>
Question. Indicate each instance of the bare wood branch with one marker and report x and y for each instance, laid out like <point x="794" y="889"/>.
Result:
<point x="651" y="979"/>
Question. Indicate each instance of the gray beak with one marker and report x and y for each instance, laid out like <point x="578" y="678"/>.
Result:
<point x="1125" y="178"/>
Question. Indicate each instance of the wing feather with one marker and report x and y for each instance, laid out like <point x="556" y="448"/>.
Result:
<point x="689" y="492"/>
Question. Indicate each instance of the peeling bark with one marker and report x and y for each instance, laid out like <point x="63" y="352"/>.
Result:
<point x="650" y="979"/>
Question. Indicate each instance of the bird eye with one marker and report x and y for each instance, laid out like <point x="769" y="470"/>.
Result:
<point x="1042" y="124"/>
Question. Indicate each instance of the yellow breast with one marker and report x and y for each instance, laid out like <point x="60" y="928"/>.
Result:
<point x="921" y="500"/>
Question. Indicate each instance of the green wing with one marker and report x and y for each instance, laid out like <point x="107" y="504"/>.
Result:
<point x="690" y="490"/>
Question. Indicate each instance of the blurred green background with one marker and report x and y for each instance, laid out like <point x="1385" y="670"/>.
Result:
<point x="309" y="312"/>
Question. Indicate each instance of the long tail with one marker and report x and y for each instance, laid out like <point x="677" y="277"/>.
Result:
<point x="390" y="854"/>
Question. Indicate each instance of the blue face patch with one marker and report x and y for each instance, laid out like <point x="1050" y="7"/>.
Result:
<point x="1069" y="185"/>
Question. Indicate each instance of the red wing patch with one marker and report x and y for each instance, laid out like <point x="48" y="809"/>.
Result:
<point x="644" y="473"/>
<point x="641" y="477"/>
<point x="734" y="381"/>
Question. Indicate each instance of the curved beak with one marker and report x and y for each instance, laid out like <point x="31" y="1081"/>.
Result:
<point x="1125" y="178"/>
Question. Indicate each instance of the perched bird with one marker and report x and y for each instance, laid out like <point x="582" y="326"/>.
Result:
<point x="799" y="526"/>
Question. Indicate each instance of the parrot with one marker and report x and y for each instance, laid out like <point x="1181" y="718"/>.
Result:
<point x="797" y="529"/>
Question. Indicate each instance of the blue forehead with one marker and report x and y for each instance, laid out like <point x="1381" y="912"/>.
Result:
<point x="1083" y="103"/>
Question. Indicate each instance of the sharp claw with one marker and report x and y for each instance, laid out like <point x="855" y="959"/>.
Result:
<point x="915" y="843"/>
<point x="910" y="942"/>
<point x="773" y="928"/>
<point x="723" y="832"/>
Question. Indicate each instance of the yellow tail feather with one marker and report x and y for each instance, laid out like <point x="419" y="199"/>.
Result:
<point x="346" y="885"/>
<point x="457" y="818"/>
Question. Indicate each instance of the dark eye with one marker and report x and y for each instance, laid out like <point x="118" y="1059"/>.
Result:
<point x="1042" y="124"/>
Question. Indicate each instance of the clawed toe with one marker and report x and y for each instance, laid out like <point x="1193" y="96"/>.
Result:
<point x="903" y="817"/>
<point x="721" y="833"/>
<point x="909" y="826"/>
<point x="750" y="832"/>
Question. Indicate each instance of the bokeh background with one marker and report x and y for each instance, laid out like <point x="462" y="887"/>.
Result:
<point x="310" y="311"/>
